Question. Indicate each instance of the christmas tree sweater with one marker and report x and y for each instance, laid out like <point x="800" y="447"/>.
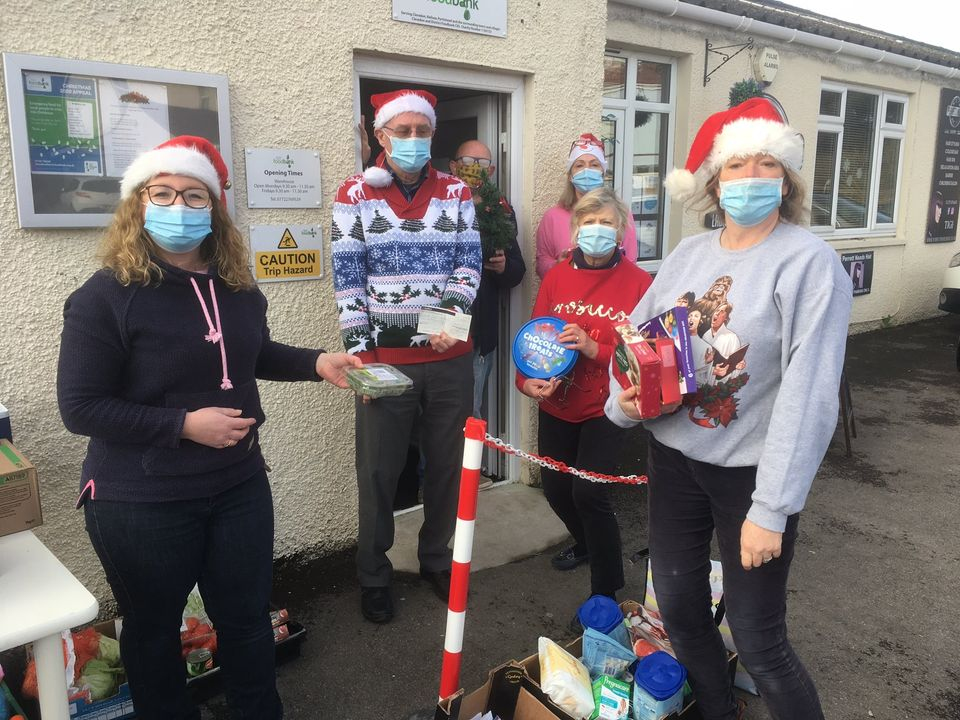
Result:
<point x="392" y="257"/>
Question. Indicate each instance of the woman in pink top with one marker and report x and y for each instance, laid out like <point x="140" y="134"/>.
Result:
<point x="585" y="168"/>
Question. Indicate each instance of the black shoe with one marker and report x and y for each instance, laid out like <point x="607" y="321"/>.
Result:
<point x="569" y="558"/>
<point x="439" y="581"/>
<point x="376" y="604"/>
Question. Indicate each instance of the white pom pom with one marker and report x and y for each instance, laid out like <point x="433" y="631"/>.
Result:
<point x="681" y="184"/>
<point x="377" y="176"/>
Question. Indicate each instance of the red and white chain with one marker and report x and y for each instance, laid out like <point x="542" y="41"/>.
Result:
<point x="548" y="462"/>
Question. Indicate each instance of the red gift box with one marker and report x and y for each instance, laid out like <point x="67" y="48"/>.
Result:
<point x="637" y="364"/>
<point x="670" y="375"/>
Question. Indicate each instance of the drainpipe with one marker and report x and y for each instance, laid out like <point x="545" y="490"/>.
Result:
<point x="743" y="24"/>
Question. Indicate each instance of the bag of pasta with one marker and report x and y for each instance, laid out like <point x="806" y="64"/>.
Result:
<point x="565" y="679"/>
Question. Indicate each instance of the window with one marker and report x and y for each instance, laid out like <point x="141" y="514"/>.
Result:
<point x="856" y="178"/>
<point x="637" y="132"/>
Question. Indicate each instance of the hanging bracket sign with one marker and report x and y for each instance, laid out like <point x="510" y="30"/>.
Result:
<point x="286" y="252"/>
<point x="278" y="178"/>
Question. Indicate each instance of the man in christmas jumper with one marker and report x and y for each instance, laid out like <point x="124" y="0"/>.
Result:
<point x="404" y="237"/>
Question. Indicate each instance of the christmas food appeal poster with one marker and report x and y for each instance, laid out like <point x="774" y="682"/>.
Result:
<point x="63" y="124"/>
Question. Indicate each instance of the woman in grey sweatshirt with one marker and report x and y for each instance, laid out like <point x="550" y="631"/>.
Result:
<point x="739" y="456"/>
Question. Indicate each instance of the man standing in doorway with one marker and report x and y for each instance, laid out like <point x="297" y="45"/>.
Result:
<point x="404" y="237"/>
<point x="502" y="268"/>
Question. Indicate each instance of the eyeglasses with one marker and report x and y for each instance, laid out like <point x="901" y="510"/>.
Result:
<point x="467" y="160"/>
<point x="164" y="195"/>
<point x="405" y="131"/>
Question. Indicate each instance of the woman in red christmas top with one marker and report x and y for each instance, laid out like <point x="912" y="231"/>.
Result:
<point x="593" y="289"/>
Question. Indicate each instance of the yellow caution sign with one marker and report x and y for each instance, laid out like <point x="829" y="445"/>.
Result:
<point x="287" y="242"/>
<point x="282" y="253"/>
<point x="287" y="265"/>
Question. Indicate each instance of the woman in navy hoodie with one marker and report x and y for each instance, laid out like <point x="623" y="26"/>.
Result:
<point x="159" y="360"/>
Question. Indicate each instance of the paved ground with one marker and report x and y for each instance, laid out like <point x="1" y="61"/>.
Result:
<point x="873" y="597"/>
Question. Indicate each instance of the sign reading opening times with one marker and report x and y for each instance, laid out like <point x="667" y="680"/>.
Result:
<point x="278" y="178"/>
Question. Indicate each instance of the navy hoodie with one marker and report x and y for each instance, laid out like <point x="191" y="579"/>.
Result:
<point x="134" y="360"/>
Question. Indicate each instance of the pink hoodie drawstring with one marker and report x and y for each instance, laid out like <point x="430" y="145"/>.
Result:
<point x="216" y="331"/>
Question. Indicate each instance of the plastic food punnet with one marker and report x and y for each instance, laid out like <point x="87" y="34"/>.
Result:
<point x="378" y="380"/>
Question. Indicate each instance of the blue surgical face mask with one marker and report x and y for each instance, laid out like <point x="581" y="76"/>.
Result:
<point x="410" y="154"/>
<point x="749" y="201"/>
<point x="596" y="240"/>
<point x="587" y="180"/>
<point x="177" y="228"/>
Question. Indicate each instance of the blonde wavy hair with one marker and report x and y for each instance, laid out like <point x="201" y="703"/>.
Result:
<point x="594" y="201"/>
<point x="126" y="247"/>
<point x="792" y="208"/>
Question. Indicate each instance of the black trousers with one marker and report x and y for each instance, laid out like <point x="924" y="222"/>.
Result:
<point x="689" y="500"/>
<point x="585" y="507"/>
<point x="439" y="402"/>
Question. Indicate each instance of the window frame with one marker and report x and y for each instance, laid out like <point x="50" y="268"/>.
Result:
<point x="883" y="130"/>
<point x="623" y="109"/>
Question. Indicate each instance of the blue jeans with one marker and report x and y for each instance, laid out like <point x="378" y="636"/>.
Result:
<point x="153" y="554"/>
<point x="482" y="365"/>
<point x="689" y="500"/>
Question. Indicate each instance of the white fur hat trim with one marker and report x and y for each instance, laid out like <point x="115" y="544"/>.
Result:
<point x="410" y="102"/>
<point x="681" y="184"/>
<point x="170" y="161"/>
<point x="754" y="136"/>
<point x="376" y="176"/>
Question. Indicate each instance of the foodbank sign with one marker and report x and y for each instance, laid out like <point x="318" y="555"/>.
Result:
<point x="485" y="17"/>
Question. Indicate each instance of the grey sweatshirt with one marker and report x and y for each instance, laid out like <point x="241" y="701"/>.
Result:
<point x="789" y="299"/>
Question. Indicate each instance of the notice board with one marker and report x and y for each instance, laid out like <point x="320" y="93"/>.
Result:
<point x="76" y="125"/>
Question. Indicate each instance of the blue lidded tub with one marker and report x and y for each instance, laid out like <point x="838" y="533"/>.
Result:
<point x="538" y="354"/>
<point x="658" y="686"/>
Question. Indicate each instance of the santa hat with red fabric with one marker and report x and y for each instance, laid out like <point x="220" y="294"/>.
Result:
<point x="188" y="155"/>
<point x="587" y="144"/>
<point x="754" y="127"/>
<point x="386" y="106"/>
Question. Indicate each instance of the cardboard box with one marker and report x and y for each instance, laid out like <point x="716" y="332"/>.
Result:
<point x="508" y="693"/>
<point x="531" y="667"/>
<point x="669" y="374"/>
<point x="117" y="707"/>
<point x="19" y="492"/>
<point x="637" y="364"/>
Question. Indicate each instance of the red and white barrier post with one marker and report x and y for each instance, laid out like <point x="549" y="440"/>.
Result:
<point x="474" y="435"/>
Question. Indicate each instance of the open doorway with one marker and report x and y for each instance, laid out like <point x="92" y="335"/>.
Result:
<point x="470" y="105"/>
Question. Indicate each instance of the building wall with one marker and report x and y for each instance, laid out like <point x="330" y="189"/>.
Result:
<point x="290" y="68"/>
<point x="907" y="271"/>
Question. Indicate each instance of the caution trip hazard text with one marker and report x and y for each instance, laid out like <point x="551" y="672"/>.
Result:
<point x="287" y="261"/>
<point x="287" y="264"/>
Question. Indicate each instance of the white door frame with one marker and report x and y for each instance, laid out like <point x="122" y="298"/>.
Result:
<point x="422" y="71"/>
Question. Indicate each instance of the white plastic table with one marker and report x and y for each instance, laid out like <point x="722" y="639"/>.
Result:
<point x="40" y="599"/>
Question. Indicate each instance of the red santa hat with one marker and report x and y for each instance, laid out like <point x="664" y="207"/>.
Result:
<point x="754" y="127"/>
<point x="587" y="144"/>
<point x="188" y="155"/>
<point x="387" y="106"/>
